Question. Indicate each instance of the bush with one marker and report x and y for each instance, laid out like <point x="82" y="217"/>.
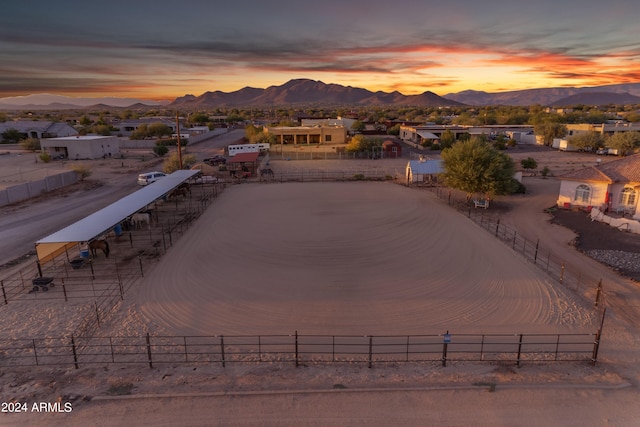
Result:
<point x="45" y="157"/>
<point x="160" y="150"/>
<point x="358" y="177"/>
<point x="83" y="171"/>
<point x="31" y="144"/>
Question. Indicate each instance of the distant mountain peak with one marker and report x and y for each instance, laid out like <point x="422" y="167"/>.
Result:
<point x="309" y="92"/>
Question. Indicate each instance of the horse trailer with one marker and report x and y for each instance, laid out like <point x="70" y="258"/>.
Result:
<point x="247" y="148"/>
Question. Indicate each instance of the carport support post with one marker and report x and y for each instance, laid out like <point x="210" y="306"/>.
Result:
<point x="140" y="263"/>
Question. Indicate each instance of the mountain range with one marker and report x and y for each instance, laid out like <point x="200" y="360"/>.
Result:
<point x="311" y="92"/>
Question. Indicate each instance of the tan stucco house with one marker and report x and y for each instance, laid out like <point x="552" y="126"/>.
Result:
<point x="612" y="187"/>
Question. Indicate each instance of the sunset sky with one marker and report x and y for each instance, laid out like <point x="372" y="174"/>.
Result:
<point x="159" y="50"/>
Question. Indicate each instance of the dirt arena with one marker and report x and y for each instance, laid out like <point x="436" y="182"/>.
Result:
<point x="347" y="258"/>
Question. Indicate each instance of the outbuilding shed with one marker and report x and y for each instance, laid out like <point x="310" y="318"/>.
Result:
<point x="423" y="170"/>
<point x="81" y="147"/>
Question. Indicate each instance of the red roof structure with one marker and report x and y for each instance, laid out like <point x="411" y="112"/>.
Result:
<point x="243" y="158"/>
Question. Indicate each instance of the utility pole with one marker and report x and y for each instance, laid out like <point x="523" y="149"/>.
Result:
<point x="178" y="132"/>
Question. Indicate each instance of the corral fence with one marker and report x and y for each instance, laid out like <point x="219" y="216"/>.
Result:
<point x="532" y="250"/>
<point x="102" y="282"/>
<point x="329" y="176"/>
<point x="300" y="349"/>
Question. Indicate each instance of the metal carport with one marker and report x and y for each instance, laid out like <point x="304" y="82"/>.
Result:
<point x="107" y="218"/>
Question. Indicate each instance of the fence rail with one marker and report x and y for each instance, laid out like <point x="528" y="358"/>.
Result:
<point x="532" y="250"/>
<point x="300" y="349"/>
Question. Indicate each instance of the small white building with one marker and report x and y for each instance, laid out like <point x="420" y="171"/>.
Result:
<point x="423" y="170"/>
<point x="81" y="147"/>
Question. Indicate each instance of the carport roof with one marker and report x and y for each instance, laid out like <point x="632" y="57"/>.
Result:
<point x="105" y="219"/>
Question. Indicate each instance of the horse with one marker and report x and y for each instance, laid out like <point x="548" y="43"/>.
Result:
<point x="186" y="186"/>
<point x="140" y="217"/>
<point x="179" y="192"/>
<point x="266" y="173"/>
<point x="99" y="244"/>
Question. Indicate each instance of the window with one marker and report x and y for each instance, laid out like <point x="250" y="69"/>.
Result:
<point x="628" y="197"/>
<point x="327" y="138"/>
<point x="583" y="193"/>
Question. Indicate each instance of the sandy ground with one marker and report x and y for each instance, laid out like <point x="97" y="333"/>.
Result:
<point x="367" y="258"/>
<point x="348" y="258"/>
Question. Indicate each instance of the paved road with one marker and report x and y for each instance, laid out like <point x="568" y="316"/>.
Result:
<point x="22" y="225"/>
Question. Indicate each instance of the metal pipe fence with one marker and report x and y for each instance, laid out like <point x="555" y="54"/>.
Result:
<point x="532" y="250"/>
<point x="300" y="349"/>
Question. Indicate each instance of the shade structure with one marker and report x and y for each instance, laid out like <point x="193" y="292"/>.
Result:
<point x="107" y="218"/>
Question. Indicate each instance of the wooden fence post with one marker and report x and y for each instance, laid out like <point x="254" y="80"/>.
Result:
<point x="4" y="293"/>
<point x="224" y="364"/>
<point x="75" y="354"/>
<point x="296" y="349"/>
<point x="149" y="350"/>
<point x="519" y="351"/>
<point x="596" y="343"/>
<point x="370" y="352"/>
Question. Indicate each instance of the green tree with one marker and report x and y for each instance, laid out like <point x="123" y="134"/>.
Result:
<point x="85" y="121"/>
<point x="172" y="163"/>
<point x="529" y="163"/>
<point x="31" y="144"/>
<point x="394" y="130"/>
<point x="474" y="166"/>
<point x="140" y="133"/>
<point x="586" y="141"/>
<point x="103" y="130"/>
<point x="624" y="142"/>
<point x="357" y="126"/>
<point x="199" y="118"/>
<point x="158" y="130"/>
<point x="447" y="139"/>
<point x="11" y="136"/>
<point x="263" y="138"/>
<point x="550" y="130"/>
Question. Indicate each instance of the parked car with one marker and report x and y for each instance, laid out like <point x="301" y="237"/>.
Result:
<point x="149" y="177"/>
<point x="215" y="160"/>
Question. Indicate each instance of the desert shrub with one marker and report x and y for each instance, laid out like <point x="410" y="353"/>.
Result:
<point x="45" y="157"/>
<point x="83" y="171"/>
<point x="160" y="150"/>
<point x="31" y="144"/>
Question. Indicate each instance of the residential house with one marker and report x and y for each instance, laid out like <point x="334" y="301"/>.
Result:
<point x="322" y="134"/>
<point x="39" y="128"/>
<point x="611" y="187"/>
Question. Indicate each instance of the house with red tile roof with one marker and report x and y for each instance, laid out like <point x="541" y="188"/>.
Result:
<point x="611" y="187"/>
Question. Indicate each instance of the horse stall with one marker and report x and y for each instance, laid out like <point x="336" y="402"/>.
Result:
<point x="102" y="255"/>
